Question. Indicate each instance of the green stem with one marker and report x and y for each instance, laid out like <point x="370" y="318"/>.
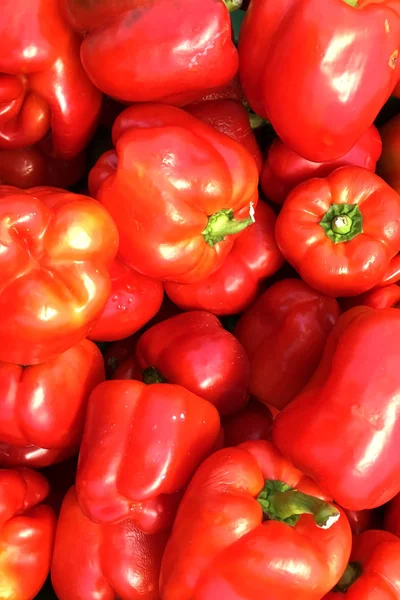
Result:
<point x="233" y="5"/>
<point x="352" y="2"/>
<point x="282" y="503"/>
<point x="152" y="375"/>
<point x="222" y="224"/>
<point x="351" y="574"/>
<point x="342" y="222"/>
<point x="256" y="121"/>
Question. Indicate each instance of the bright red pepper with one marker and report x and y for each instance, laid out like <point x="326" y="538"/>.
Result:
<point x="27" y="529"/>
<point x="148" y="440"/>
<point x="43" y="86"/>
<point x="343" y="428"/>
<point x="134" y="300"/>
<point x="283" y="168"/>
<point x="389" y="164"/>
<point x="253" y="422"/>
<point x="56" y="247"/>
<point x="385" y="297"/>
<point x="373" y="573"/>
<point x="348" y="55"/>
<point x="44" y="406"/>
<point x="233" y="287"/>
<point x="341" y="233"/>
<point x="106" y="562"/>
<point x="232" y="90"/>
<point x="229" y="117"/>
<point x="284" y="334"/>
<point x="221" y="548"/>
<point x="130" y="55"/>
<point x="178" y="351"/>
<point x="179" y="185"/>
<point x="392" y="516"/>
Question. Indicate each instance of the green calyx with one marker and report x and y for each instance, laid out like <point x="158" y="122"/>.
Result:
<point x="351" y="574"/>
<point x="222" y="224"/>
<point x="280" y="502"/>
<point x="342" y="222"/>
<point x="233" y="5"/>
<point x="351" y="2"/>
<point x="152" y="375"/>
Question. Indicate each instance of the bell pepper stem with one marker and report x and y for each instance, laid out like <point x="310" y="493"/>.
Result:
<point x="223" y="223"/>
<point x="351" y="574"/>
<point x="351" y="2"/>
<point x="152" y="375"/>
<point x="233" y="5"/>
<point x="342" y="222"/>
<point x="282" y="503"/>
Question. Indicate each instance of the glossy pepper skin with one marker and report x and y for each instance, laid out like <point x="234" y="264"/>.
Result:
<point x="227" y="551"/>
<point x="193" y="350"/>
<point x="55" y="423"/>
<point x="134" y="300"/>
<point x="361" y="520"/>
<point x="229" y="117"/>
<point x="44" y="90"/>
<point x="253" y="422"/>
<point x="129" y="55"/>
<point x="284" y="333"/>
<point x="183" y="187"/>
<point x="254" y="257"/>
<point x="385" y="297"/>
<point x="350" y="68"/>
<point x="56" y="247"/>
<point x="392" y="516"/>
<point x="27" y="529"/>
<point x="342" y="232"/>
<point x="107" y="561"/>
<point x="148" y="440"/>
<point x="284" y="168"/>
<point x="389" y="163"/>
<point x="373" y="571"/>
<point x="348" y="394"/>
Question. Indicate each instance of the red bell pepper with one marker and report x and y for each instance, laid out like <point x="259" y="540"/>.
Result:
<point x="56" y="247"/>
<point x="385" y="297"/>
<point x="233" y="287"/>
<point x="44" y="406"/>
<point x="392" y="516"/>
<point x="106" y="562"/>
<point x="245" y="528"/>
<point x="348" y="53"/>
<point x="341" y="233"/>
<point x="148" y="440"/>
<point x="232" y="90"/>
<point x="130" y="55"/>
<point x="389" y="164"/>
<point x="229" y="117"/>
<point x="178" y="351"/>
<point x="361" y="520"/>
<point x="27" y="529"/>
<point x="134" y="300"/>
<point x="43" y="86"/>
<point x="284" y="334"/>
<point x="284" y="168"/>
<point x="253" y="422"/>
<point x="354" y="394"/>
<point x="184" y="188"/>
<point x="373" y="572"/>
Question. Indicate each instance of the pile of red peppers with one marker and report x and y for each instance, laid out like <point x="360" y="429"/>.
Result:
<point x="200" y="300"/>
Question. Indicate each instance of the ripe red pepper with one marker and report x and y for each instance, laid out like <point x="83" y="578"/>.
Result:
<point x="183" y="187"/>
<point x="386" y="297"/>
<point x="392" y="516"/>
<point x="222" y="546"/>
<point x="27" y="529"/>
<point x="284" y="334"/>
<point x="148" y="440"/>
<point x="373" y="572"/>
<point x="105" y="562"/>
<point x="284" y="168"/>
<point x="361" y="520"/>
<point x="389" y="164"/>
<point x="253" y="422"/>
<point x="128" y="53"/>
<point x="134" y="300"/>
<point x="232" y="90"/>
<point x="341" y="233"/>
<point x="233" y="287"/>
<point x="348" y="51"/>
<point x="350" y="396"/>
<point x="229" y="117"/>
<point x="44" y="406"/>
<point x="56" y="247"/>
<point x="178" y="351"/>
<point x="44" y="89"/>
